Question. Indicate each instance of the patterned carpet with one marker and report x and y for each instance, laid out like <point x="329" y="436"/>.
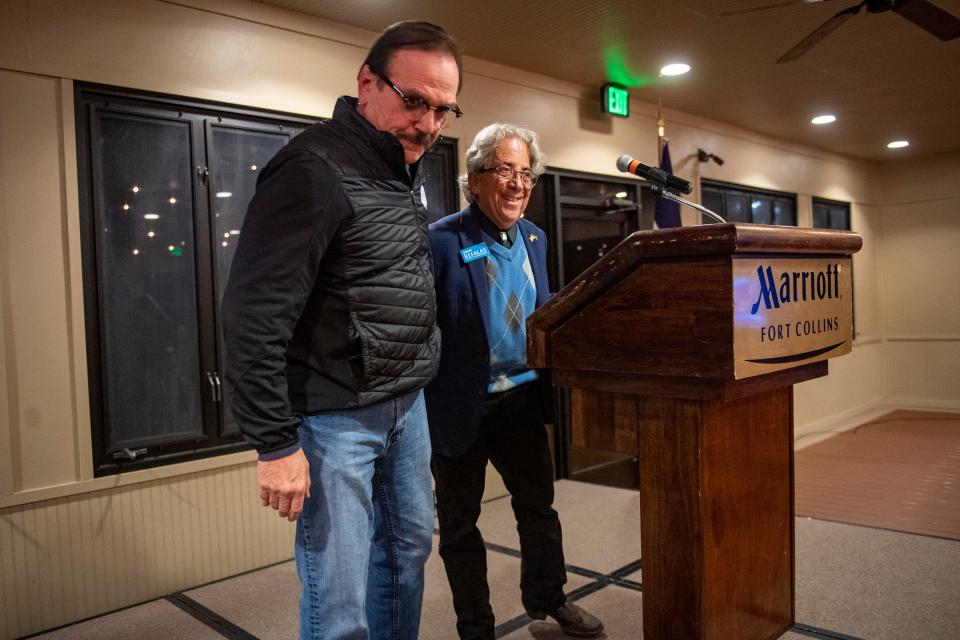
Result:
<point x="899" y="472"/>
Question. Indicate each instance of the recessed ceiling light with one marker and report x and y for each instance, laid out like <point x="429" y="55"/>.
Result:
<point x="675" y="69"/>
<point x="898" y="144"/>
<point x="824" y="119"/>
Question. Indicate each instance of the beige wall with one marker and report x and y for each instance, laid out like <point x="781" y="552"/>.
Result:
<point x="919" y="287"/>
<point x="239" y="52"/>
<point x="36" y="265"/>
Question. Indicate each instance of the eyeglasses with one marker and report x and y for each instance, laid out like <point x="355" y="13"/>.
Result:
<point x="418" y="107"/>
<point x="506" y="173"/>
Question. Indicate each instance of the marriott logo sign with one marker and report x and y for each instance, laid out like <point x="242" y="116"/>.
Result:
<point x="790" y="311"/>
<point x="794" y="286"/>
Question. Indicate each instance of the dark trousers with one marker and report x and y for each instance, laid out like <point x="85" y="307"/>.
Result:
<point x="513" y="438"/>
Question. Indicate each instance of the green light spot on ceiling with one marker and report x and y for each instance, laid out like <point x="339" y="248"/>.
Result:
<point x="176" y="251"/>
<point x="616" y="66"/>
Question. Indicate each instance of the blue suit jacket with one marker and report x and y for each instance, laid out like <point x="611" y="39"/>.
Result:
<point x="455" y="397"/>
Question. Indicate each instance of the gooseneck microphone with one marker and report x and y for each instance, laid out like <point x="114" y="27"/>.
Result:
<point x="652" y="174"/>
<point x="664" y="184"/>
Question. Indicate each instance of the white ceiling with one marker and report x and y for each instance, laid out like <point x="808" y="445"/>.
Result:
<point x="883" y="77"/>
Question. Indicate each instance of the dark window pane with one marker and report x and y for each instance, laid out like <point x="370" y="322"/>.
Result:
<point x="155" y="265"/>
<point x="595" y="189"/>
<point x="737" y="207"/>
<point x="821" y="216"/>
<point x="439" y="167"/>
<point x="236" y="158"/>
<point x="784" y="213"/>
<point x="831" y="215"/>
<point x="713" y="200"/>
<point x="537" y="206"/>
<point x="762" y="210"/>
<point x="743" y="204"/>
<point x="585" y="240"/>
<point x="596" y="215"/>
<point x="146" y="257"/>
<point x="839" y="218"/>
<point x="432" y="167"/>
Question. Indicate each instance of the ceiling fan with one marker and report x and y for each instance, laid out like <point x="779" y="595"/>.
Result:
<point x="922" y="13"/>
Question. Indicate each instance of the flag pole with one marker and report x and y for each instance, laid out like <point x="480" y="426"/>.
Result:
<point x="667" y="212"/>
<point x="661" y="137"/>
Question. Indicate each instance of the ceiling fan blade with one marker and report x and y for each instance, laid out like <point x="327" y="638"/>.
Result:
<point x="820" y="33"/>
<point x="764" y="7"/>
<point x="930" y="18"/>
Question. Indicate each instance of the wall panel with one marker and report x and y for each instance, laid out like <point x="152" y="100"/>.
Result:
<point x="33" y="256"/>
<point x="71" y="558"/>
<point x="919" y="290"/>
<point x="925" y="373"/>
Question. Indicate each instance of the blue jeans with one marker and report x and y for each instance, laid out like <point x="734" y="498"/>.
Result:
<point x="366" y="530"/>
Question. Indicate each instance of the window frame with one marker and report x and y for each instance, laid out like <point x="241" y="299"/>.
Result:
<point x="732" y="188"/>
<point x="832" y="204"/>
<point x="92" y="100"/>
<point x="446" y="151"/>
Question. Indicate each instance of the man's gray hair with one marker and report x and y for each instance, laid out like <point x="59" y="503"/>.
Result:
<point x="484" y="148"/>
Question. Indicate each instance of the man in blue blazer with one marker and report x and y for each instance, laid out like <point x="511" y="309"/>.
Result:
<point x="487" y="404"/>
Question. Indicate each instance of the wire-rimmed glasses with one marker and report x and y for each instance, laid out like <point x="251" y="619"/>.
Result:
<point x="417" y="107"/>
<point x="507" y="173"/>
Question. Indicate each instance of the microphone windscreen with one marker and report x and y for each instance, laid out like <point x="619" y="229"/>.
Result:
<point x="623" y="163"/>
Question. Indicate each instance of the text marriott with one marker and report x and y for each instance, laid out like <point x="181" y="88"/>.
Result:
<point x="795" y="286"/>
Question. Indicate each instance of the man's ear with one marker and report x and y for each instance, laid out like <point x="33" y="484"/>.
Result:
<point x="366" y="82"/>
<point x="472" y="180"/>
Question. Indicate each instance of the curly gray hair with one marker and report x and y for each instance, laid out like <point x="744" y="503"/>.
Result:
<point x="484" y="148"/>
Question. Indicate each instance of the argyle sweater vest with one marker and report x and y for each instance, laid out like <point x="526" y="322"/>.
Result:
<point x="513" y="297"/>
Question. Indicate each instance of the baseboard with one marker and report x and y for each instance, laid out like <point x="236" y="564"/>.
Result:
<point x="950" y="406"/>
<point x="819" y="430"/>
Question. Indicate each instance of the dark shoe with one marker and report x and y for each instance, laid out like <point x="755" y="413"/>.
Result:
<point x="576" y="622"/>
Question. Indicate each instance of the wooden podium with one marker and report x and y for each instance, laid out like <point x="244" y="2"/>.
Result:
<point x="694" y="336"/>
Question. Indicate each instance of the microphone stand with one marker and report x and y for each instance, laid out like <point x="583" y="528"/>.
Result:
<point x="663" y="192"/>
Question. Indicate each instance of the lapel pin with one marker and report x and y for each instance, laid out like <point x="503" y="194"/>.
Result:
<point x="533" y="237"/>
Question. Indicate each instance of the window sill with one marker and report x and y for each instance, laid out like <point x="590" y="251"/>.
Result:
<point x="79" y="487"/>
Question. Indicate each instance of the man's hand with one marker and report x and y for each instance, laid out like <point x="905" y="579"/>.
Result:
<point x="284" y="483"/>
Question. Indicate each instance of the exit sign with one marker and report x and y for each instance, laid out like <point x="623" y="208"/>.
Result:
<point x="616" y="100"/>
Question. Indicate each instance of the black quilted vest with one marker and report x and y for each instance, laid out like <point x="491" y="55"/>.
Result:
<point x="368" y="331"/>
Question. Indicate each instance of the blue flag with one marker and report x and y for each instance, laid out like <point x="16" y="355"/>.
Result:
<point x="667" y="212"/>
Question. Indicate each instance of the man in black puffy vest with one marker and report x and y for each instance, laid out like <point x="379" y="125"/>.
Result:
<point x="329" y="326"/>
